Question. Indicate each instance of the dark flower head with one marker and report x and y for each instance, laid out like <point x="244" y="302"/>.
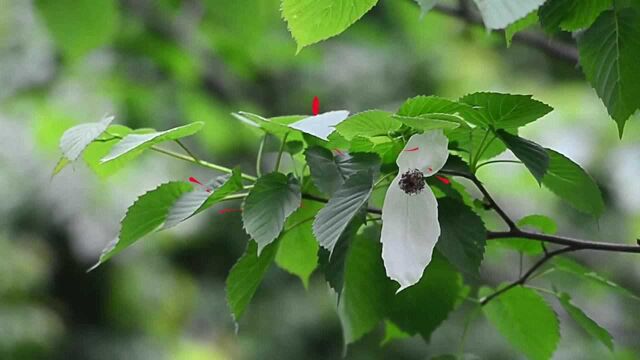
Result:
<point x="412" y="182"/>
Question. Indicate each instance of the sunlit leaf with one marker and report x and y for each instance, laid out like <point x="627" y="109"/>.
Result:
<point x="585" y="322"/>
<point x="532" y="155"/>
<point x="368" y="123"/>
<point x="497" y="14"/>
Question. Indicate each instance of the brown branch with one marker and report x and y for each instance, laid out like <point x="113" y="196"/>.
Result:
<point x="556" y="49"/>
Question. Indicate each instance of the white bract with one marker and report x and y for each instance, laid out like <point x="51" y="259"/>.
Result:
<point x="321" y="125"/>
<point x="410" y="227"/>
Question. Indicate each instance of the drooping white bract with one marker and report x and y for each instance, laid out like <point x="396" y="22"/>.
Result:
<point x="410" y="227"/>
<point x="321" y="125"/>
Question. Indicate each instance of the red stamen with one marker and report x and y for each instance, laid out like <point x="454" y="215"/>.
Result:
<point x="338" y="152"/>
<point x="228" y="210"/>
<point x="429" y="169"/>
<point x="443" y="179"/>
<point x="315" y="106"/>
<point x="195" y="181"/>
<point x="413" y="149"/>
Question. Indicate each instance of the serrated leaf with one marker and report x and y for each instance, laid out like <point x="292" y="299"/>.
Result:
<point x="585" y="322"/>
<point x="422" y="307"/>
<point x="333" y="219"/>
<point x="277" y="126"/>
<point x="245" y="277"/>
<point x="134" y="144"/>
<point x="497" y="14"/>
<point x="527" y="21"/>
<point x="518" y="314"/>
<point x="202" y="198"/>
<point x="79" y="26"/>
<point x="469" y="140"/>
<point x="463" y="235"/>
<point x="99" y="149"/>
<point x="609" y="53"/>
<point x="392" y="332"/>
<point x="422" y="105"/>
<point x="310" y="21"/>
<point x="146" y="215"/>
<point x="433" y="121"/>
<point x="322" y="125"/>
<point x="571" y="15"/>
<point x="503" y="111"/>
<point x="570" y="266"/>
<point x="328" y="172"/>
<point x="570" y="182"/>
<point x="297" y="247"/>
<point x="532" y="155"/>
<point x="273" y="198"/>
<point x="368" y="123"/>
<point x="333" y="264"/>
<point x="367" y="290"/>
<point x="75" y="140"/>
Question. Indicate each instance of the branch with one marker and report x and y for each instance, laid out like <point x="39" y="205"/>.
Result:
<point x="548" y="256"/>
<point x="578" y="244"/>
<point x="556" y="49"/>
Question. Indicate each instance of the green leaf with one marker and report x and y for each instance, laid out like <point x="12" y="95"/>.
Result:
<point x="80" y="26"/>
<point x="542" y="223"/>
<point x="333" y="219"/>
<point x="463" y="235"/>
<point x="523" y="317"/>
<point x="534" y="156"/>
<point x="202" y="198"/>
<point x="497" y="14"/>
<point x="277" y="126"/>
<point x="273" y="198"/>
<point x="609" y="53"/>
<point x="503" y="111"/>
<point x="422" y="105"/>
<point x="99" y="149"/>
<point x="333" y="264"/>
<point x="426" y="5"/>
<point x="297" y="247"/>
<point x="75" y="140"/>
<point x="147" y="214"/>
<point x="134" y="144"/>
<point x="422" y="307"/>
<point x="245" y="277"/>
<point x="433" y="121"/>
<point x="585" y="322"/>
<point x="571" y="15"/>
<point x="570" y="182"/>
<point x="368" y="123"/>
<point x="328" y="172"/>
<point x="367" y="290"/>
<point x="311" y="21"/>
<point x="392" y="332"/>
<point x="470" y="139"/>
<point x="570" y="266"/>
<point x="516" y="27"/>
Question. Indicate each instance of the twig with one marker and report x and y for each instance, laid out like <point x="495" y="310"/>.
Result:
<point x="578" y="244"/>
<point x="259" y="157"/>
<point x="284" y="143"/>
<point x="186" y="149"/>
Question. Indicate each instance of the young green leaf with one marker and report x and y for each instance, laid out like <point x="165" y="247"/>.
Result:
<point x="463" y="235"/>
<point x="609" y="53"/>
<point x="472" y="140"/>
<point x="202" y="198"/>
<point x="297" y="247"/>
<point x="422" y="307"/>
<point x="392" y="332"/>
<point x="571" y="15"/>
<point x="147" y="214"/>
<point x="333" y="219"/>
<point x="134" y="144"/>
<point x="311" y="21"/>
<point x="273" y="198"/>
<point x="75" y="140"/>
<point x="277" y="126"/>
<point x="79" y="26"/>
<point x="570" y="182"/>
<point x="534" y="156"/>
<point x="527" y="21"/>
<point x="432" y="121"/>
<point x="367" y="290"/>
<point x="422" y="105"/>
<point x="585" y="322"/>
<point x="497" y="14"/>
<point x="368" y="123"/>
<point x="524" y="318"/>
<point x="245" y="277"/>
<point x="502" y="111"/>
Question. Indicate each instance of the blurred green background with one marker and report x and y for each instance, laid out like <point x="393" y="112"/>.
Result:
<point x="164" y="63"/>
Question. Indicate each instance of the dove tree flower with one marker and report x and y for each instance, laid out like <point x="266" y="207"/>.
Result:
<point x="410" y="227"/>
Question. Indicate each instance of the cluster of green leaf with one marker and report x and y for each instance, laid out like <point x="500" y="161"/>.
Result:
<point x="607" y="33"/>
<point x="322" y="217"/>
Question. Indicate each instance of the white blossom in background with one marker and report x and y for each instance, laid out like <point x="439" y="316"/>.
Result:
<point x="410" y="227"/>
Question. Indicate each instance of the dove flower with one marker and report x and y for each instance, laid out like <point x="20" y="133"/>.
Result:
<point x="410" y="227"/>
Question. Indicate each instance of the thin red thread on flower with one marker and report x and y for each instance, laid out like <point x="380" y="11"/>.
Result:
<point x="413" y="149"/>
<point x="196" y="181"/>
<point x="443" y="179"/>
<point x="430" y="169"/>
<point x="315" y="106"/>
<point x="228" y="210"/>
<point x="338" y="152"/>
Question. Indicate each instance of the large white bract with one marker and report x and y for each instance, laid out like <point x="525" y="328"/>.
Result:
<point x="410" y="227"/>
